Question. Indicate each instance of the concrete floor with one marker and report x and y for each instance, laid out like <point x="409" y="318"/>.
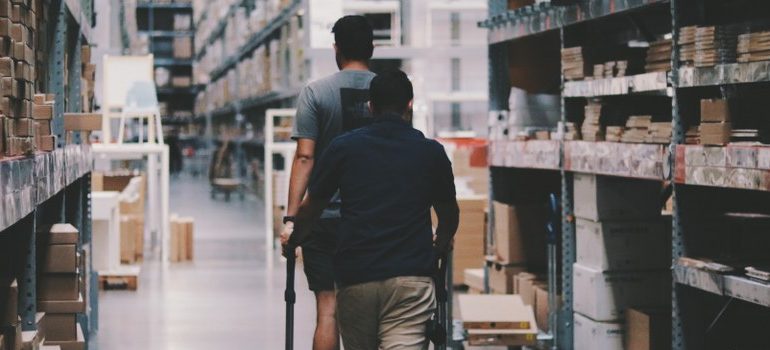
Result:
<point x="230" y="297"/>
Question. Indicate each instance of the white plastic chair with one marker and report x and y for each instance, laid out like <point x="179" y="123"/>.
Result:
<point x="142" y="103"/>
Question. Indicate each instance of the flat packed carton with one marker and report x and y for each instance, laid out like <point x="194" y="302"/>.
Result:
<point x="604" y="296"/>
<point x="600" y="198"/>
<point x="594" y="335"/>
<point x="623" y="245"/>
<point x="648" y="329"/>
<point x="62" y="306"/>
<point x="520" y="234"/>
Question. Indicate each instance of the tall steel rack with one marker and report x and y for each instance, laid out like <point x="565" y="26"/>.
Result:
<point x="156" y="19"/>
<point x="51" y="187"/>
<point x="700" y="300"/>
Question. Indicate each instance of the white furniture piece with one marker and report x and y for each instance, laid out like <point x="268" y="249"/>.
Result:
<point x="286" y="149"/>
<point x="129" y="92"/>
<point x="105" y="212"/>
<point x="157" y="160"/>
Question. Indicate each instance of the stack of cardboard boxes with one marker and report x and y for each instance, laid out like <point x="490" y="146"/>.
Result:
<point x="42" y="113"/>
<point x="61" y="286"/>
<point x="715" y="122"/>
<point x="519" y="252"/>
<point x="10" y="324"/>
<point x="18" y="23"/>
<point x="592" y="128"/>
<point x="623" y="257"/>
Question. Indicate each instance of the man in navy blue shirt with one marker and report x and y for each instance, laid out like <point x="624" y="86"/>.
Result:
<point x="388" y="176"/>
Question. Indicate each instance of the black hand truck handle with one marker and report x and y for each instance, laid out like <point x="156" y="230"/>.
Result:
<point x="289" y="295"/>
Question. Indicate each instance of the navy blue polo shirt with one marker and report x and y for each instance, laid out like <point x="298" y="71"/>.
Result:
<point x="389" y="175"/>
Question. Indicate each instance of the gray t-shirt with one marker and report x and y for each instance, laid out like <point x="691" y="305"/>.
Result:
<point x="329" y="107"/>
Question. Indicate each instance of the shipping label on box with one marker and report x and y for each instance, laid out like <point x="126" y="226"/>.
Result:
<point x="623" y="245"/>
<point x="604" y="296"/>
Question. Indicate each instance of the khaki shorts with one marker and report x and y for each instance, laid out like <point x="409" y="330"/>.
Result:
<point x="389" y="315"/>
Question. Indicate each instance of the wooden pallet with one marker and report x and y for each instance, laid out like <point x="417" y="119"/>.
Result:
<point x="125" y="278"/>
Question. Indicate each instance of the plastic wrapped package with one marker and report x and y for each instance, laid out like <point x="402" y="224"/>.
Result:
<point x="742" y="156"/>
<point x="750" y="179"/>
<point x="706" y="176"/>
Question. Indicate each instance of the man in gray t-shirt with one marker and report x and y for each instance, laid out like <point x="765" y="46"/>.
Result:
<point x="325" y="109"/>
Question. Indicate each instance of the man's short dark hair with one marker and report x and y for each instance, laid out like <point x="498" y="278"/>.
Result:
<point x="353" y="36"/>
<point x="390" y="91"/>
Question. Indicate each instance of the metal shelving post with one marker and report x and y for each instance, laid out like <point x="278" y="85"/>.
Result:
<point x="565" y="329"/>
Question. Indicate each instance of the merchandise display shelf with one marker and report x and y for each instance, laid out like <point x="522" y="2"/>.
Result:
<point x="632" y="160"/>
<point x="738" y="287"/>
<point x="255" y="40"/>
<point x="253" y="102"/>
<point x="532" y="154"/>
<point x="733" y="166"/>
<point x="534" y="19"/>
<point x="655" y="83"/>
<point x="725" y="74"/>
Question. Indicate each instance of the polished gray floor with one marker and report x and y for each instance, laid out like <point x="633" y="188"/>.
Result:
<point x="230" y="297"/>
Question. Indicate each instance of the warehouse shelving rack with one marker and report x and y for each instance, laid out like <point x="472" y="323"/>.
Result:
<point x="51" y="187"/>
<point x="700" y="299"/>
<point x="149" y="14"/>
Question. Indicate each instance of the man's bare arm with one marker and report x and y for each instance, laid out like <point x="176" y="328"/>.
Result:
<point x="301" y="168"/>
<point x="448" y="214"/>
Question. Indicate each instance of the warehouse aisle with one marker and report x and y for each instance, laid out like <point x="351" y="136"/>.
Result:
<point x="228" y="297"/>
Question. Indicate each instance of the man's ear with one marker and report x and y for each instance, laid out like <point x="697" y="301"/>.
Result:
<point x="410" y="105"/>
<point x="371" y="109"/>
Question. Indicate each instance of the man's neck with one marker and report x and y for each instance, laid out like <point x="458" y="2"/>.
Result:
<point x="355" y="65"/>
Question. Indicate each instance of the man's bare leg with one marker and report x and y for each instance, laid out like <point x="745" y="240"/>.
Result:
<point x="326" y="333"/>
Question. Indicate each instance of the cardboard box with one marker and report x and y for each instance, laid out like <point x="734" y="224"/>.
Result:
<point x="521" y="278"/>
<point x="520" y="234"/>
<point x="623" y="245"/>
<point x="604" y="296"/>
<point x="648" y="329"/>
<point x="501" y="279"/>
<point x="715" y="133"/>
<point x="469" y="240"/>
<point x="600" y="198"/>
<point x="23" y="127"/>
<point x="79" y="344"/>
<point x="527" y="291"/>
<point x="42" y="111"/>
<point x="6" y="67"/>
<point x="59" y="258"/>
<point x="82" y="121"/>
<point x="58" y="286"/>
<point x="714" y="110"/>
<point x="46" y="143"/>
<point x="183" y="47"/>
<point x="85" y="54"/>
<point x="500" y="312"/>
<point x="60" y="327"/>
<point x="42" y="128"/>
<point x="62" y="306"/>
<point x="59" y="234"/>
<point x="594" y="335"/>
<point x="10" y="304"/>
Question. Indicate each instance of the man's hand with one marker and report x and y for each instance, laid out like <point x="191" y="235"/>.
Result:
<point x="288" y="229"/>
